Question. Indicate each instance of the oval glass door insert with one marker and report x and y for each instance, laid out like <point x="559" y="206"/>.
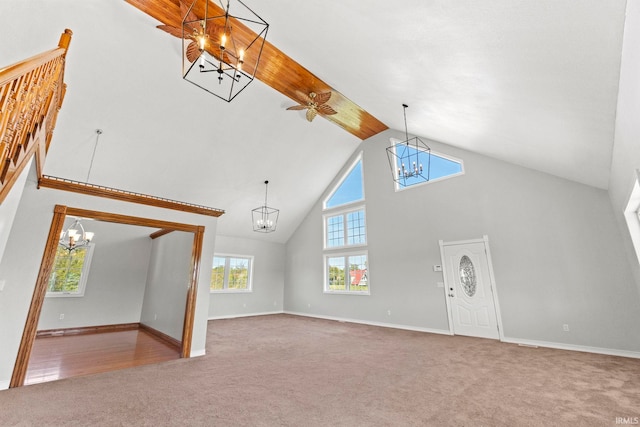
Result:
<point x="467" y="276"/>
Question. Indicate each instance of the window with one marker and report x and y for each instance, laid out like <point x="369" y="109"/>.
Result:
<point x="345" y="228"/>
<point x="350" y="188"/>
<point x="632" y="215"/>
<point x="347" y="273"/>
<point x="70" y="272"/>
<point x="231" y="273"/>
<point x="439" y="166"/>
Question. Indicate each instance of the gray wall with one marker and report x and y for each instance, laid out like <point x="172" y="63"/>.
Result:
<point x="268" y="278"/>
<point x="555" y="245"/>
<point x="116" y="280"/>
<point x="9" y="207"/>
<point x="21" y="261"/>
<point x="626" y="148"/>
<point x="165" y="296"/>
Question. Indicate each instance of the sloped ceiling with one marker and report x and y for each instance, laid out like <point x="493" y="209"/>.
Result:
<point x="533" y="82"/>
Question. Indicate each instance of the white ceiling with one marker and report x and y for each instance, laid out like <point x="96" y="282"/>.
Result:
<point x="533" y="82"/>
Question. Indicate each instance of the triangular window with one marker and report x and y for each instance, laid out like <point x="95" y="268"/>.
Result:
<point x="349" y="190"/>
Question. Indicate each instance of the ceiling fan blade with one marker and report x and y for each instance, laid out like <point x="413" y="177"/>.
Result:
<point x="311" y="114"/>
<point x="321" y="98"/>
<point x="193" y="51"/>
<point x="297" y="107"/>
<point x="326" y="110"/>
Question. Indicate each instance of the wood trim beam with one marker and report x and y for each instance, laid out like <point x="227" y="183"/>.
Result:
<point x="280" y="72"/>
<point x="159" y="233"/>
<point x="31" y="324"/>
<point x="124" y="196"/>
<point x="196" y="257"/>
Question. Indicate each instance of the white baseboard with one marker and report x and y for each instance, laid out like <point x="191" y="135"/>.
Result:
<point x="366" y="322"/>
<point x="198" y="353"/>
<point x="234" y="316"/>
<point x="574" y="347"/>
<point x="4" y="384"/>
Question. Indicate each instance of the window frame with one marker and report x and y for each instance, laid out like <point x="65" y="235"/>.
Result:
<point x="358" y="158"/>
<point x="398" y="187"/>
<point x="346" y="256"/>
<point x="344" y="213"/>
<point x="84" y="276"/>
<point x="632" y="214"/>
<point x="225" y="279"/>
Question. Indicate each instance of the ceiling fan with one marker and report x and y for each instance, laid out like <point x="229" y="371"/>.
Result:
<point x="315" y="103"/>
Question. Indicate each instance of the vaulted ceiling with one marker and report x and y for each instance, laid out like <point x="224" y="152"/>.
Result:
<point x="533" y="82"/>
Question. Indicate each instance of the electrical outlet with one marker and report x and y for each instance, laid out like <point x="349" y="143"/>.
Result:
<point x="308" y="305"/>
<point x="2" y="283"/>
<point x="155" y="316"/>
<point x="388" y="312"/>
<point x="61" y="316"/>
<point x="565" y="327"/>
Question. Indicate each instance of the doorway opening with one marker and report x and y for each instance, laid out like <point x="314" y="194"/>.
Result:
<point x="47" y="264"/>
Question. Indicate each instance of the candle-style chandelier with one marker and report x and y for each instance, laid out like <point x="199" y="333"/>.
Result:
<point x="265" y="219"/>
<point x="410" y="160"/>
<point x="221" y="46"/>
<point x="75" y="236"/>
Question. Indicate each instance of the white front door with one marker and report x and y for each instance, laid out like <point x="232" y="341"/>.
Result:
<point x="469" y="289"/>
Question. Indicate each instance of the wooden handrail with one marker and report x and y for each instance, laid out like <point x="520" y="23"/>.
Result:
<point x="31" y="94"/>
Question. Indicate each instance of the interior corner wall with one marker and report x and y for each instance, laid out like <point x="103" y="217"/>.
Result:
<point x="115" y="284"/>
<point x="23" y="255"/>
<point x="168" y="280"/>
<point x="626" y="147"/>
<point x="267" y="283"/>
<point x="555" y="246"/>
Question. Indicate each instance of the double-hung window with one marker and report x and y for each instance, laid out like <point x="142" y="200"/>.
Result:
<point x="70" y="272"/>
<point x="231" y="273"/>
<point x="346" y="267"/>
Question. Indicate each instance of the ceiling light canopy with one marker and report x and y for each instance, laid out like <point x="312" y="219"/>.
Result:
<point x="222" y="45"/>
<point x="410" y="160"/>
<point x="265" y="219"/>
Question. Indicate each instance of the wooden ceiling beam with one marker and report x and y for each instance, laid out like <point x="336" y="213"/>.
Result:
<point x="283" y="74"/>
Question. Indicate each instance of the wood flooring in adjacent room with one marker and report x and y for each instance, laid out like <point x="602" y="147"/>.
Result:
<point x="54" y="358"/>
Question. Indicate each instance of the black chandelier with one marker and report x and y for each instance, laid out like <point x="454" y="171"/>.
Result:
<point x="221" y="46"/>
<point x="265" y="219"/>
<point x="410" y="160"/>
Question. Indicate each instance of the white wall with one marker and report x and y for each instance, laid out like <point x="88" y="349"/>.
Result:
<point x="116" y="280"/>
<point x="626" y="148"/>
<point x="9" y="206"/>
<point x="23" y="255"/>
<point x="268" y="278"/>
<point x="555" y="245"/>
<point x="168" y="280"/>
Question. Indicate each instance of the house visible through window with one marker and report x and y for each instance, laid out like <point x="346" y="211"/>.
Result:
<point x="231" y="273"/>
<point x="70" y="272"/>
<point x="345" y="229"/>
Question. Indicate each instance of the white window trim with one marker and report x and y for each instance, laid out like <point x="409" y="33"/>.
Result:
<point x="397" y="186"/>
<point x="84" y="275"/>
<point x="632" y="215"/>
<point x="325" y="287"/>
<point x="339" y="183"/>
<point x="341" y="210"/>
<point x="226" y="275"/>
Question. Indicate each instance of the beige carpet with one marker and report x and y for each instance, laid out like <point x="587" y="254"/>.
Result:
<point x="285" y="370"/>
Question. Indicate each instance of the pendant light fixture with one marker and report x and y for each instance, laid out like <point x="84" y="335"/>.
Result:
<point x="222" y="43"/>
<point x="265" y="219"/>
<point x="410" y="160"/>
<point x="75" y="236"/>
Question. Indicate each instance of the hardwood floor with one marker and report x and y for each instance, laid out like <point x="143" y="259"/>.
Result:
<point x="54" y="358"/>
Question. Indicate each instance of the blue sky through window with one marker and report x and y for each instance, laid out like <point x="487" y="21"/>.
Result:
<point x="436" y="166"/>
<point x="350" y="190"/>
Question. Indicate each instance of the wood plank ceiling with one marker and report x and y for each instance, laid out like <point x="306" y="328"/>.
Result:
<point x="283" y="74"/>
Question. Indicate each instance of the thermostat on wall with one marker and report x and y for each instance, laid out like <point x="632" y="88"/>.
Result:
<point x="437" y="268"/>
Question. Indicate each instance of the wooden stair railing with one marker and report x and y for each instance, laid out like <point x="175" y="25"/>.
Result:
<point x="31" y="94"/>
